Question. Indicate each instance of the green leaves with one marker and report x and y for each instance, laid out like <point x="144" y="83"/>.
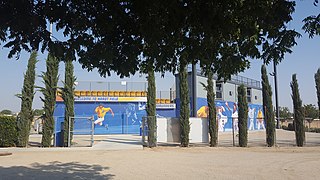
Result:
<point x="27" y="95"/>
<point x="298" y="112"/>
<point x="268" y="107"/>
<point x="213" y="127"/>
<point x="68" y="99"/>
<point x="122" y="36"/>
<point x="312" y="25"/>
<point x="50" y="79"/>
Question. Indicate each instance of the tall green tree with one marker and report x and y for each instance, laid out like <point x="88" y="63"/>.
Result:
<point x="268" y="107"/>
<point x="213" y="127"/>
<point x="68" y="99"/>
<point x="151" y="109"/>
<point x="50" y="79"/>
<point x="184" y="104"/>
<point x="317" y="80"/>
<point x="298" y="112"/>
<point x="243" y="116"/>
<point x="26" y="113"/>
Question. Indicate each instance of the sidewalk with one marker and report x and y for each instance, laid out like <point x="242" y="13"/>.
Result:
<point x="101" y="142"/>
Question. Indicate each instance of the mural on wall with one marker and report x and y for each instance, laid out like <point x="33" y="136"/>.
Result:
<point x="101" y="112"/>
<point x="109" y="117"/>
<point x="227" y="115"/>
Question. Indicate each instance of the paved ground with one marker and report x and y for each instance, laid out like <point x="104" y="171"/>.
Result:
<point x="167" y="162"/>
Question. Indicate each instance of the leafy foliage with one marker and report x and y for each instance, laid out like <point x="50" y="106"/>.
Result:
<point x="298" y="112"/>
<point x="284" y="113"/>
<point x="50" y="79"/>
<point x="184" y="104"/>
<point x="8" y="131"/>
<point x="317" y="81"/>
<point x="6" y="112"/>
<point x="38" y="112"/>
<point x="26" y="113"/>
<point x="151" y="109"/>
<point x="230" y="31"/>
<point x="213" y="127"/>
<point x="243" y="116"/>
<point x="312" y="23"/>
<point x="310" y="111"/>
<point x="68" y="99"/>
<point x="268" y="107"/>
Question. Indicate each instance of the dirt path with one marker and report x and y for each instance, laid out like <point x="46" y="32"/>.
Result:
<point x="225" y="162"/>
<point x="165" y="163"/>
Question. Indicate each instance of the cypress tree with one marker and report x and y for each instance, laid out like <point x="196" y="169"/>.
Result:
<point x="317" y="80"/>
<point x="50" y="79"/>
<point x="68" y="99"/>
<point x="268" y="107"/>
<point x="213" y="128"/>
<point x="242" y="116"/>
<point x="151" y="109"/>
<point x="298" y="112"/>
<point x="26" y="114"/>
<point x="184" y="104"/>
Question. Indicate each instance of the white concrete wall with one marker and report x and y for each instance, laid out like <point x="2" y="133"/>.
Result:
<point x="256" y="93"/>
<point x="201" y="92"/>
<point x="168" y="130"/>
<point x="227" y="88"/>
<point x="162" y="135"/>
<point x="198" y="130"/>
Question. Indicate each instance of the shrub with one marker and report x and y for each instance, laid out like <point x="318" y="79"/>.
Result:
<point x="315" y="130"/>
<point x="290" y="127"/>
<point x="8" y="131"/>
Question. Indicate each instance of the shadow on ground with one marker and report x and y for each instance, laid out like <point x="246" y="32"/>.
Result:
<point x="55" y="170"/>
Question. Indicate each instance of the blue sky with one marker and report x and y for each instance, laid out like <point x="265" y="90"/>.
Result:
<point x="304" y="61"/>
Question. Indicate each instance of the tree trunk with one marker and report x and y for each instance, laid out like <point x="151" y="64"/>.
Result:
<point x="151" y="109"/>
<point x="242" y="116"/>
<point x="317" y="80"/>
<point x="184" y="105"/>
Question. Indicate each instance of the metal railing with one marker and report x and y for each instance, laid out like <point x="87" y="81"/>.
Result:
<point x="237" y="79"/>
<point x="121" y="88"/>
<point x="111" y="86"/>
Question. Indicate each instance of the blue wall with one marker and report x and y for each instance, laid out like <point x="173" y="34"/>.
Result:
<point x="127" y="117"/>
<point x="227" y="110"/>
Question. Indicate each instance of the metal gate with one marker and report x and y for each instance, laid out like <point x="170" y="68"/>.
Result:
<point x="82" y="132"/>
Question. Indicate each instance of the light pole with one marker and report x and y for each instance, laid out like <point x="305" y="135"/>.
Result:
<point x="276" y="92"/>
<point x="194" y="89"/>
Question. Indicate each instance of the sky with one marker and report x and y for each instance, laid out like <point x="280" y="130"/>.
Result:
<point x="304" y="61"/>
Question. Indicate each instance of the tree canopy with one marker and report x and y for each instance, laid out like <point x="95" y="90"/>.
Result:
<point x="310" y="111"/>
<point x="312" y="23"/>
<point x="6" y="112"/>
<point x="285" y="113"/>
<point x="123" y="35"/>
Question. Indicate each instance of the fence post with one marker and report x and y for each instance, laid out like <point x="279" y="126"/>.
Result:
<point x="92" y="130"/>
<point x="69" y="141"/>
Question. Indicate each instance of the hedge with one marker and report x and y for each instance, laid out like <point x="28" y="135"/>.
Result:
<point x="8" y="131"/>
